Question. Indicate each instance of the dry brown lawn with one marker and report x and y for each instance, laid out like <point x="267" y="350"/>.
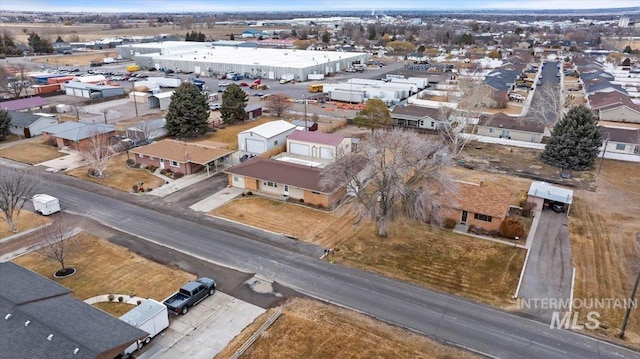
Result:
<point x="229" y="134"/>
<point x="313" y="330"/>
<point x="603" y="226"/>
<point x="26" y="220"/>
<point x="77" y="59"/>
<point x="105" y="268"/>
<point x="119" y="176"/>
<point x="418" y="253"/>
<point x="31" y="152"/>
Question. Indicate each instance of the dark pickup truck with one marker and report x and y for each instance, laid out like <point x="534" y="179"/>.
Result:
<point x="189" y="295"/>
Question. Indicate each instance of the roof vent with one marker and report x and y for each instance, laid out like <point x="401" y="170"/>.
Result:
<point x="8" y="316"/>
<point x="50" y="337"/>
<point x="76" y="350"/>
<point x="27" y="323"/>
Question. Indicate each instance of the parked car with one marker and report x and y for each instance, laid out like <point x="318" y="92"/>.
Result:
<point x="190" y="294"/>
<point x="214" y="106"/>
<point x="558" y="207"/>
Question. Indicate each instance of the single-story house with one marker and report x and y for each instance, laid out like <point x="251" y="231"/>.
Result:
<point x="614" y="106"/>
<point x="252" y="111"/>
<point x="478" y="205"/>
<point x="160" y="100"/>
<point x="418" y="117"/>
<point x="182" y="157"/>
<point x="283" y="178"/>
<point x="303" y="125"/>
<point x="621" y="140"/>
<point x="544" y="194"/>
<point x="147" y="130"/>
<point x="40" y="319"/>
<point x="501" y="125"/>
<point x="76" y="135"/>
<point x="89" y="90"/>
<point x="265" y="137"/>
<point x="35" y="102"/>
<point x="30" y="124"/>
<point x="318" y="144"/>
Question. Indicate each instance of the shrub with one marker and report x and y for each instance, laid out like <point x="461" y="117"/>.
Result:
<point x="163" y="171"/>
<point x="149" y="189"/>
<point x="527" y="209"/>
<point x="522" y="201"/>
<point x="110" y="297"/>
<point x="177" y="175"/>
<point x="120" y="299"/>
<point x="511" y="228"/>
<point x="301" y="200"/>
<point x="138" y="302"/>
<point x="152" y="168"/>
<point x="130" y="162"/>
<point x="92" y="172"/>
<point x="450" y="223"/>
<point x="135" y="188"/>
<point x="249" y="193"/>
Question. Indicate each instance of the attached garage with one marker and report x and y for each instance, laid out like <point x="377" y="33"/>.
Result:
<point x="545" y="195"/>
<point x="326" y="153"/>
<point x="299" y="149"/>
<point x="255" y="146"/>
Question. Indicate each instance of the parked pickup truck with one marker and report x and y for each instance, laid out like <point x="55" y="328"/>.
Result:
<point x="189" y="295"/>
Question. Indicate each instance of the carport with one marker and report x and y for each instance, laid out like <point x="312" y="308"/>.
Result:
<point x="543" y="193"/>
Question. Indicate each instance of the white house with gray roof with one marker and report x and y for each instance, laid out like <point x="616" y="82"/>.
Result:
<point x="30" y="124"/>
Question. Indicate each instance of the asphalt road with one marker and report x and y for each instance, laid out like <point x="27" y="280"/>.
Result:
<point x="549" y="270"/>
<point x="445" y="317"/>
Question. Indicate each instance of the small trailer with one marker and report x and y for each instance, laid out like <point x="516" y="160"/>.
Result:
<point x="45" y="204"/>
<point x="150" y="316"/>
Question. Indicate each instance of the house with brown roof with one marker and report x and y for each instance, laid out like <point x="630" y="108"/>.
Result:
<point x="285" y="179"/>
<point x="614" y="106"/>
<point x="620" y="140"/>
<point x="501" y="125"/>
<point x="414" y="116"/>
<point x="478" y="205"/>
<point x="182" y="157"/>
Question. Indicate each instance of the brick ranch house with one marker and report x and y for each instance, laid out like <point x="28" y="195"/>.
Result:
<point x="281" y="178"/>
<point x="181" y="157"/>
<point x="478" y="205"/>
<point x="76" y="135"/>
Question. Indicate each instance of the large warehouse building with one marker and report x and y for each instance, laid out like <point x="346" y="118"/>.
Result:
<point x="207" y="59"/>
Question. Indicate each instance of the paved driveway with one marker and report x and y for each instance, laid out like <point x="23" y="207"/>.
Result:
<point x="204" y="331"/>
<point x="548" y="271"/>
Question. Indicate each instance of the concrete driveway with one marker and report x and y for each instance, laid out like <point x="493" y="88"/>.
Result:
<point x="549" y="270"/>
<point x="204" y="331"/>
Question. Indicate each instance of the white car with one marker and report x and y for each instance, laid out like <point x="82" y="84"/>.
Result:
<point x="214" y="106"/>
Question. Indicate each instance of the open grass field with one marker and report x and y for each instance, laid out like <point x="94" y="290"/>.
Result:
<point x="313" y="330"/>
<point x="30" y="152"/>
<point x="105" y="268"/>
<point x="418" y="253"/>
<point x="26" y="220"/>
<point x="119" y="176"/>
<point x="603" y="226"/>
<point x="77" y="59"/>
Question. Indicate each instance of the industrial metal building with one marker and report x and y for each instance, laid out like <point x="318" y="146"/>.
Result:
<point x="207" y="59"/>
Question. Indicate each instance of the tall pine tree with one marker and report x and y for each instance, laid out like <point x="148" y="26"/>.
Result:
<point x="575" y="141"/>
<point x="234" y="100"/>
<point x="188" y="112"/>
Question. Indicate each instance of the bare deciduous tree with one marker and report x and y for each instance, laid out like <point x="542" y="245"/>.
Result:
<point x="97" y="152"/>
<point x="13" y="83"/>
<point x="16" y="187"/>
<point x="403" y="177"/>
<point x="455" y="122"/>
<point x="278" y="104"/>
<point x="547" y="108"/>
<point x="58" y="242"/>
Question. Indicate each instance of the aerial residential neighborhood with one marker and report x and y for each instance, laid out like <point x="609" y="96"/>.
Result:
<point x="375" y="180"/>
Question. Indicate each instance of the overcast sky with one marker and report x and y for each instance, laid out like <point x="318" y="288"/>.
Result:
<point x="314" y="5"/>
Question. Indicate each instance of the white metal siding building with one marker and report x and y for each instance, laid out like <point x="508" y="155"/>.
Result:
<point x="264" y="137"/>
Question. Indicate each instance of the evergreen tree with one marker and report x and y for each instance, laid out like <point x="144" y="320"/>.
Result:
<point x="188" y="112"/>
<point x="234" y="100"/>
<point x="575" y="140"/>
<point x="201" y="37"/>
<point x="627" y="50"/>
<point x="326" y="37"/>
<point x="375" y="114"/>
<point x="59" y="39"/>
<point x="5" y="121"/>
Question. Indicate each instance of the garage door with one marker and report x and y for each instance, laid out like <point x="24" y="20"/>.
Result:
<point x="299" y="149"/>
<point x="326" y="153"/>
<point x="255" y="146"/>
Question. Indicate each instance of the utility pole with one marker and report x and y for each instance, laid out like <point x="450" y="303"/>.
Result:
<point x="633" y="295"/>
<point x="305" y="112"/>
<point x="133" y="91"/>
<point x="604" y="150"/>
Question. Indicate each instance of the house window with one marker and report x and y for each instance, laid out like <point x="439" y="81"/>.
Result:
<point x="491" y="130"/>
<point x="275" y="142"/>
<point x="421" y="123"/>
<point x="482" y="217"/>
<point x="151" y="158"/>
<point x="140" y="155"/>
<point x="314" y="192"/>
<point x="236" y="179"/>
<point x="271" y="184"/>
<point x="620" y="146"/>
<point x="174" y="164"/>
<point x="432" y="124"/>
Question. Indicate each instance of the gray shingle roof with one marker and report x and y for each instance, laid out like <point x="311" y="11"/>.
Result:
<point x="40" y="308"/>
<point x="23" y="119"/>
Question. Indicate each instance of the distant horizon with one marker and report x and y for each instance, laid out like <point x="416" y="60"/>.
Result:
<point x="377" y="6"/>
